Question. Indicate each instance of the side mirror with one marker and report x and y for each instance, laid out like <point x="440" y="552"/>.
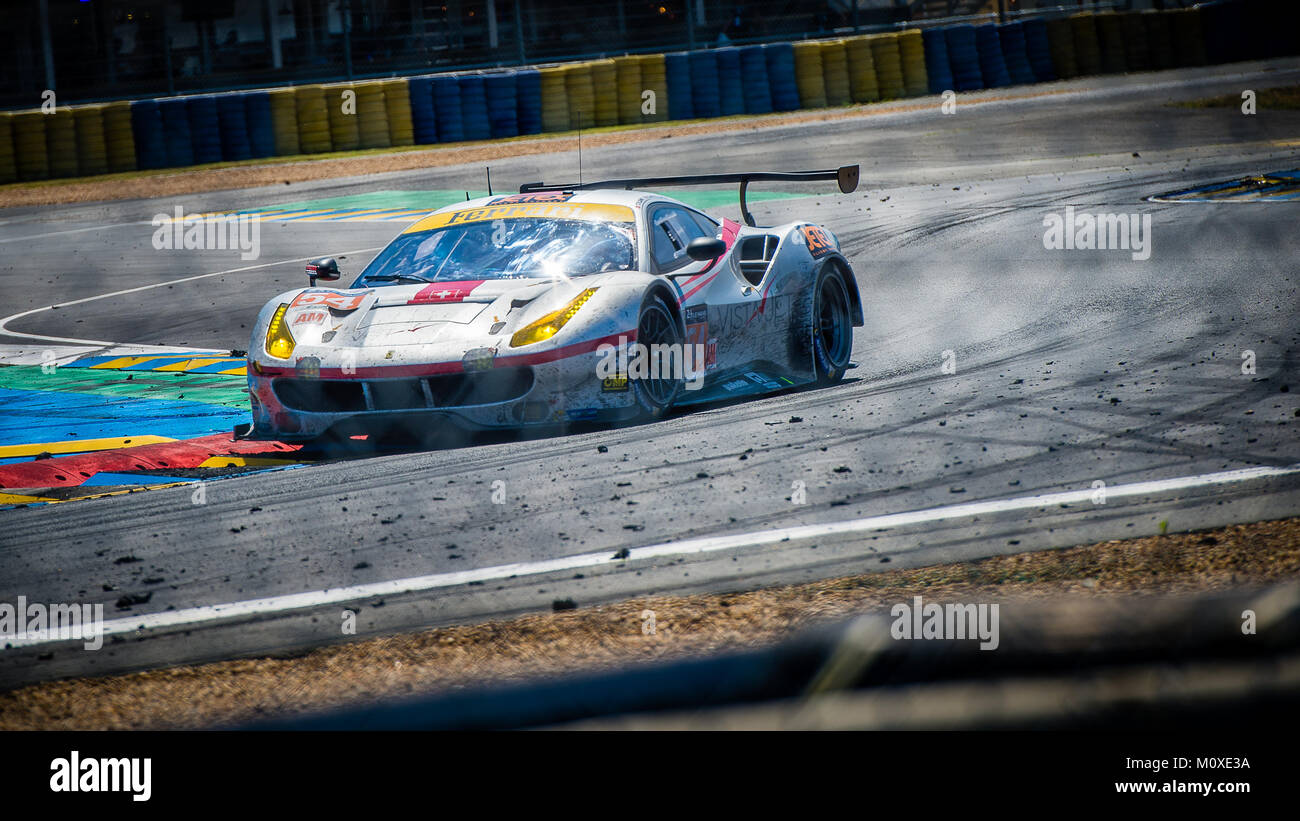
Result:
<point x="326" y="268"/>
<point x="703" y="249"/>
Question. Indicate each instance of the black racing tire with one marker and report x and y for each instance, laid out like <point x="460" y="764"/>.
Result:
<point x="657" y="325"/>
<point x="832" y="326"/>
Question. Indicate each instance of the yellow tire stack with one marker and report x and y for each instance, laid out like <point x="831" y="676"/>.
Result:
<point x="61" y="142"/>
<point x="1160" y="49"/>
<point x="1110" y="40"/>
<point x="808" y="75"/>
<point x="397" y="99"/>
<point x="313" y="119"/>
<point x="862" y="71"/>
<point x="1188" y="37"/>
<point x="627" y="80"/>
<point x="604" y="84"/>
<point x="555" y="99"/>
<point x="911" y="50"/>
<point x="1060" y="43"/>
<point x="344" y="133"/>
<point x="31" y="156"/>
<point x="119" y="138"/>
<point x="92" y="153"/>
<point x="1087" y="49"/>
<point x="8" y="163"/>
<point x="284" y="121"/>
<point x="372" y="115"/>
<point x="889" y="65"/>
<point x="835" y="72"/>
<point x="582" y="95"/>
<point x="654" y="77"/>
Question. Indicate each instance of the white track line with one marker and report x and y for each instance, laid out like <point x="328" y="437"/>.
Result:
<point x="75" y="231"/>
<point x="338" y="595"/>
<point x="68" y="341"/>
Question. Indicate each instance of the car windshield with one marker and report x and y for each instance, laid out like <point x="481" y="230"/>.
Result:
<point x="504" y="249"/>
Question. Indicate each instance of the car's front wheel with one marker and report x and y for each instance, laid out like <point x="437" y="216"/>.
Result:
<point x="656" y="326"/>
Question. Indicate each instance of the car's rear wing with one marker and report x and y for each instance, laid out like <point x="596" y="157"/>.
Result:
<point x="846" y="176"/>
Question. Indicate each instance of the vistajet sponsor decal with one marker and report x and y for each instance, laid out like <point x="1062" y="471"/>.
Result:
<point x="39" y="622"/>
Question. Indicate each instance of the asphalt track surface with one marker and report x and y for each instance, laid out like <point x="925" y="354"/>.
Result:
<point x="1072" y="368"/>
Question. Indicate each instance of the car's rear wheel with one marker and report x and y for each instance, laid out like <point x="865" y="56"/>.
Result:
<point x="832" y="326"/>
<point x="658" y="326"/>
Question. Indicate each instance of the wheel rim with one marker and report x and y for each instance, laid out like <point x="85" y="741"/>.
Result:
<point x="833" y="322"/>
<point x="657" y="328"/>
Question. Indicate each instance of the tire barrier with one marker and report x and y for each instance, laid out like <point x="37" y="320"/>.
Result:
<point x="835" y="73"/>
<point x="1038" y="50"/>
<point x="232" y="126"/>
<point x="963" y="58"/>
<point x="92" y="152"/>
<point x="627" y="79"/>
<point x="1160" y="44"/>
<point x="448" y="109"/>
<point x="1110" y="39"/>
<point x="1229" y="35"/>
<point x="937" y="68"/>
<point x="604" y="89"/>
<point x="284" y="122"/>
<point x="755" y="88"/>
<point x="372" y="115"/>
<point x="706" y="88"/>
<point x="502" y="104"/>
<point x="889" y="65"/>
<point x="61" y="142"/>
<point x="654" y="77"/>
<point x="119" y="138"/>
<point x="205" y="128"/>
<point x="1188" y="38"/>
<point x="261" y="128"/>
<point x="1134" y="32"/>
<point x="993" y="68"/>
<point x="808" y="75"/>
<point x="397" y="101"/>
<point x="178" y="146"/>
<point x="8" y="158"/>
<point x="528" y="93"/>
<point x="731" y="86"/>
<point x="1060" y="40"/>
<point x="1087" y="48"/>
<point x="311" y="107"/>
<point x="1012" y="37"/>
<point x="344" y="132"/>
<point x="677" y="68"/>
<point x="473" y="107"/>
<point x="150" y="137"/>
<point x="863" y="87"/>
<point x="32" y="161"/>
<point x="581" y="95"/>
<point x="781" y="76"/>
<point x="911" y="55"/>
<point x="424" y="124"/>
<point x="555" y="100"/>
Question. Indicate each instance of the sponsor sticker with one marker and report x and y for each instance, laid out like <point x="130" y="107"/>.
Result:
<point x="329" y="299"/>
<point x="536" y="196"/>
<point x="819" y="242"/>
<point x="613" y="384"/>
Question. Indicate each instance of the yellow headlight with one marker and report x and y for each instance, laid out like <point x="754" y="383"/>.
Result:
<point x="279" y="342"/>
<point x="549" y="325"/>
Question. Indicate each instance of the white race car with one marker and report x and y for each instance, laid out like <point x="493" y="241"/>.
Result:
<point x="558" y="304"/>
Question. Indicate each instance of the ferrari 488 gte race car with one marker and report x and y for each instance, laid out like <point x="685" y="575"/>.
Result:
<point x="558" y="304"/>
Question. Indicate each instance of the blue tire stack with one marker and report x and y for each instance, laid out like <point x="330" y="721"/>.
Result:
<point x="963" y="58"/>
<point x="1012" y="37"/>
<point x="502" y="104"/>
<point x="731" y="81"/>
<point x="780" y="76"/>
<point x="447" y="109"/>
<point x="147" y="129"/>
<point x="424" y="123"/>
<point x="232" y="122"/>
<point x="706" y="89"/>
<point x="474" y="108"/>
<point x="993" y="67"/>
<point x="261" y="130"/>
<point x="205" y="128"/>
<point x="937" y="68"/>
<point x="1038" y="50"/>
<point x="528" y="92"/>
<point x="177" y="142"/>
<point x="678" y="69"/>
<point x="755" y="87"/>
